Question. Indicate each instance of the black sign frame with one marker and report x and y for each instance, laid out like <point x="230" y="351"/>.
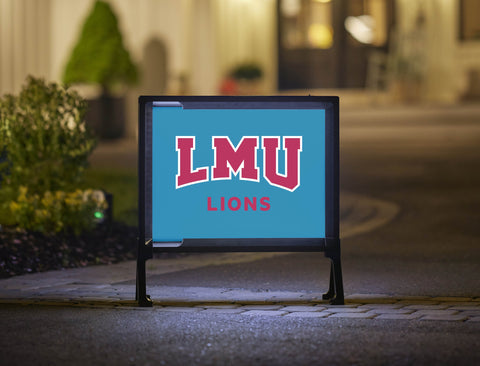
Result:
<point x="330" y="245"/>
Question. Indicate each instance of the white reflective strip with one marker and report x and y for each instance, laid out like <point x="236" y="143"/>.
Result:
<point x="167" y="104"/>
<point x="167" y="245"/>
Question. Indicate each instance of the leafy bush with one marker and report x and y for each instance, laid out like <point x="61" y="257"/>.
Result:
<point x="44" y="148"/>
<point x="44" y="138"/>
<point x="57" y="211"/>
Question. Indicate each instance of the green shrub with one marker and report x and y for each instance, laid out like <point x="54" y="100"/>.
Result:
<point x="58" y="211"/>
<point x="44" y="138"/>
<point x="44" y="148"/>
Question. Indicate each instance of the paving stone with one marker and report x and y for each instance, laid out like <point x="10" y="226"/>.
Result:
<point x="248" y="303"/>
<point x="398" y="316"/>
<point x="412" y="298"/>
<point x="452" y="298"/>
<point x="457" y="317"/>
<point x="309" y="314"/>
<point x="380" y="306"/>
<point x="474" y="319"/>
<point x="346" y="310"/>
<point x="390" y="311"/>
<point x="328" y="306"/>
<point x="426" y="307"/>
<point x="460" y="303"/>
<point x="224" y="311"/>
<point x="302" y="308"/>
<point x="261" y="307"/>
<point x="436" y="312"/>
<point x="470" y="313"/>
<point x="264" y="312"/>
<point x="180" y="309"/>
<point x="226" y="306"/>
<point x="374" y="301"/>
<point x="417" y="302"/>
<point x="473" y="307"/>
<point x="353" y="315"/>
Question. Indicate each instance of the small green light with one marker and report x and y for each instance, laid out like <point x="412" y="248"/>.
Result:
<point x="99" y="215"/>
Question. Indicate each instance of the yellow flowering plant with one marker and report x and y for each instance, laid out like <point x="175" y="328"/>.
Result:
<point x="57" y="211"/>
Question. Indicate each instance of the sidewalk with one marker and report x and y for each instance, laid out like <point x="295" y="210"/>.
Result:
<point x="98" y="287"/>
<point x="358" y="214"/>
<point x="112" y="286"/>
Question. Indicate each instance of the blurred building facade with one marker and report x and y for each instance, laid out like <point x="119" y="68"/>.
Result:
<point x="425" y="50"/>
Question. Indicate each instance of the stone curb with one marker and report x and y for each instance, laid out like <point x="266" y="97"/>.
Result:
<point x="398" y="308"/>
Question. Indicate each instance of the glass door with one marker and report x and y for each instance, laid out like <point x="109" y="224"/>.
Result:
<point x="327" y="43"/>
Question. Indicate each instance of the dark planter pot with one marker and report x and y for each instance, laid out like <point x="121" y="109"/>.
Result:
<point x="106" y="116"/>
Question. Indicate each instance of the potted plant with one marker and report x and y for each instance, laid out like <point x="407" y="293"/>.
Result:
<point x="100" y="58"/>
<point x="243" y="79"/>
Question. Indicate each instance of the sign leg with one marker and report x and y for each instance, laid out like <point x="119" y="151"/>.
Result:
<point x="338" y="281"/>
<point x="335" y="290"/>
<point x="331" y="288"/>
<point x="141" y="290"/>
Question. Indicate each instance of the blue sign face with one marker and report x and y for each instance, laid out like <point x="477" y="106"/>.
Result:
<point x="237" y="173"/>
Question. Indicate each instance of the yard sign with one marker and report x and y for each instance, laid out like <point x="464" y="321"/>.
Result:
<point x="238" y="174"/>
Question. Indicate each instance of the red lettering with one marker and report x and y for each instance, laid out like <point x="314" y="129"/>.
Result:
<point x="292" y="146"/>
<point x="238" y="204"/>
<point x="210" y="208"/>
<point x="230" y="159"/>
<point x="252" y="204"/>
<point x="186" y="175"/>
<point x="242" y="159"/>
<point x="235" y="204"/>
<point x="264" y="203"/>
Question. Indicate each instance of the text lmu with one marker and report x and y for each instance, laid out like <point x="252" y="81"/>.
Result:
<point x="241" y="160"/>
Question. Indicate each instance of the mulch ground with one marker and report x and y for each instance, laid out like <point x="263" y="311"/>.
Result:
<point x="28" y="252"/>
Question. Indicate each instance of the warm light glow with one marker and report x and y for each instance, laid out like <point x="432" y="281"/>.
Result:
<point x="323" y="1"/>
<point x="361" y="28"/>
<point x="320" y="36"/>
<point x="291" y="8"/>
